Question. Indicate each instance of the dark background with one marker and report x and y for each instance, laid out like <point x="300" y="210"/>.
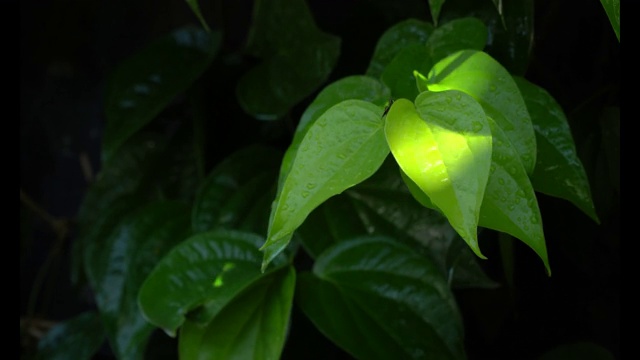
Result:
<point x="68" y="47"/>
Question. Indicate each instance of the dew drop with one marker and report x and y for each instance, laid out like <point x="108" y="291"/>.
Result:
<point x="311" y="186"/>
<point x="501" y="181"/>
<point x="305" y="194"/>
<point x="476" y="126"/>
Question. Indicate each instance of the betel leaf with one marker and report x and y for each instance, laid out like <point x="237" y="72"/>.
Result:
<point x="79" y="338"/>
<point x="479" y="75"/>
<point x="378" y="299"/>
<point x="351" y="87"/>
<point x="396" y="38"/>
<point x="443" y="144"/>
<point x="296" y="57"/>
<point x="382" y="205"/>
<point x="144" y="84"/>
<point x="509" y="203"/>
<point x="231" y="189"/>
<point x="253" y="325"/>
<point x="399" y="76"/>
<point x="199" y="277"/>
<point x="558" y="172"/>
<point x="118" y="265"/>
<point x="342" y="148"/>
<point x="458" y="34"/>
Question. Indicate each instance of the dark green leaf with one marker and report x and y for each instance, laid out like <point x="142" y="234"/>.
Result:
<point x="444" y="145"/>
<point x="199" y="277"/>
<point x="482" y="77"/>
<point x="297" y="58"/>
<point x="378" y="299"/>
<point x="458" y="34"/>
<point x="559" y="171"/>
<point x="396" y="38"/>
<point x="399" y="76"/>
<point x="233" y="187"/>
<point x="435" y="6"/>
<point x="342" y="148"/>
<point x="78" y="338"/>
<point x="612" y="8"/>
<point x="195" y="7"/>
<point x="143" y="85"/>
<point x="253" y="325"/>
<point x="118" y="265"/>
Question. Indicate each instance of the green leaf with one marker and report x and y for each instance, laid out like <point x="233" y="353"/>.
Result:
<point x="479" y="75"/>
<point x="435" y="6"/>
<point x="118" y="265"/>
<point x="253" y="325"/>
<point x="382" y="205"/>
<point x="399" y="74"/>
<point x="230" y="191"/>
<point x="297" y="58"/>
<point x="378" y="299"/>
<point x="396" y="38"/>
<point x="612" y="8"/>
<point x="458" y="34"/>
<point x="509" y="203"/>
<point x="351" y="87"/>
<point x="195" y="7"/>
<point x="199" y="277"/>
<point x="342" y="148"/>
<point x="558" y="172"/>
<point x="77" y="338"/>
<point x="143" y="85"/>
<point x="444" y="145"/>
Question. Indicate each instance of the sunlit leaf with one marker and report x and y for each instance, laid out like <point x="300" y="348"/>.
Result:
<point x="479" y="75"/>
<point x="558" y="172"/>
<point x="253" y="325"/>
<point x="117" y="266"/>
<point x="444" y="145"/>
<point x="143" y="85"/>
<point x="77" y="338"/>
<point x="197" y="278"/>
<point x="343" y="147"/>
<point x="378" y="299"/>
<point x="396" y="38"/>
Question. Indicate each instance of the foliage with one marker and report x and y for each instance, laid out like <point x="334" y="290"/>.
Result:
<point x="368" y="221"/>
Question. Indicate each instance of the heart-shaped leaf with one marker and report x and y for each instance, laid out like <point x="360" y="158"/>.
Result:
<point x="458" y="34"/>
<point x="444" y="145"/>
<point x="378" y="299"/>
<point x="342" y="148"/>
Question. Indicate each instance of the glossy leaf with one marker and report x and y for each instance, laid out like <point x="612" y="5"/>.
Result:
<point x="117" y="266"/>
<point x="378" y="299"/>
<point x="296" y="59"/>
<point x="342" y="148"/>
<point x="435" y="6"/>
<point x="458" y="34"/>
<point x="396" y="38"/>
<point x="199" y="277"/>
<point x="482" y="77"/>
<point x="399" y="73"/>
<point x="444" y="145"/>
<point x="351" y="87"/>
<point x="231" y="189"/>
<point x="77" y="338"/>
<point x="382" y="205"/>
<point x="612" y="8"/>
<point x="143" y="85"/>
<point x="253" y="325"/>
<point x="558" y="172"/>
